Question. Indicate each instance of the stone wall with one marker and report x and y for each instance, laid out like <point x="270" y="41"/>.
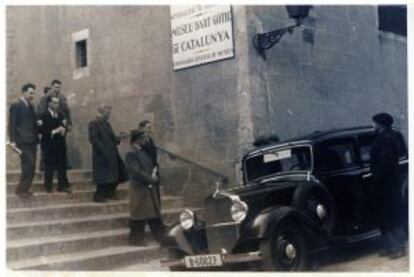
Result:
<point x="336" y="70"/>
<point x="195" y="111"/>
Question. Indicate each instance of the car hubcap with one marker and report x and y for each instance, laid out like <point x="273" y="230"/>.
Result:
<point x="321" y="211"/>
<point x="290" y="251"/>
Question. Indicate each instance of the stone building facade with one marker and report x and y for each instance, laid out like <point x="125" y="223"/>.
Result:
<point x="336" y="70"/>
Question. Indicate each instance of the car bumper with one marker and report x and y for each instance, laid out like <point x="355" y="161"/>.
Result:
<point x="225" y="258"/>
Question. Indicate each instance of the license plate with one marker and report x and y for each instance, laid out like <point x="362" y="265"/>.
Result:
<point x="203" y="261"/>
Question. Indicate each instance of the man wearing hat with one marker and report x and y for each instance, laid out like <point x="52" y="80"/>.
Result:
<point x="387" y="186"/>
<point x="144" y="203"/>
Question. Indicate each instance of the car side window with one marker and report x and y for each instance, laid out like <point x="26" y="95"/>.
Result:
<point x="364" y="144"/>
<point x="335" y="155"/>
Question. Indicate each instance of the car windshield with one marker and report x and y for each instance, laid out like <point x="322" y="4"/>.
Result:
<point x="278" y="161"/>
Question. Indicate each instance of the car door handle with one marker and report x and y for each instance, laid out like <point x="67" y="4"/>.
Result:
<point x="367" y="175"/>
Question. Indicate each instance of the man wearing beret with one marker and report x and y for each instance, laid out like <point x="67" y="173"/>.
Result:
<point x="387" y="186"/>
<point x="144" y="203"/>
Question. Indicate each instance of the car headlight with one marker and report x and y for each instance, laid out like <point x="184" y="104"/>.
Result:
<point x="239" y="211"/>
<point x="187" y="219"/>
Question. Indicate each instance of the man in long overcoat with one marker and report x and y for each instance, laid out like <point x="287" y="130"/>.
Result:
<point x="23" y="133"/>
<point x="144" y="203"/>
<point x="107" y="166"/>
<point x="387" y="186"/>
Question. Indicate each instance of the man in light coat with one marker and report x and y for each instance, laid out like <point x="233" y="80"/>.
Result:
<point x="144" y="203"/>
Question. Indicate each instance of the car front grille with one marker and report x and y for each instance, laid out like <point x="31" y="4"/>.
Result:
<point x="222" y="231"/>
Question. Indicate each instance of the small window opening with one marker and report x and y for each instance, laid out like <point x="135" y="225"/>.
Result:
<point x="81" y="54"/>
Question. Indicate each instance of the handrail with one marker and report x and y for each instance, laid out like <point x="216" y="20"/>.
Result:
<point x="223" y="178"/>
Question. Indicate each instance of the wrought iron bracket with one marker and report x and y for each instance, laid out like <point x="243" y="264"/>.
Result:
<point x="264" y="41"/>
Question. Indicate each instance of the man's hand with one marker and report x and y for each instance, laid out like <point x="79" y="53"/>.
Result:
<point x="123" y="135"/>
<point x="155" y="172"/>
<point x="39" y="123"/>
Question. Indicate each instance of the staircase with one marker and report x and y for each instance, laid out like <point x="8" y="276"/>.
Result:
<point x="63" y="231"/>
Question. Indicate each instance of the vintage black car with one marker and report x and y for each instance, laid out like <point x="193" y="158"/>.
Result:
<point x="298" y="197"/>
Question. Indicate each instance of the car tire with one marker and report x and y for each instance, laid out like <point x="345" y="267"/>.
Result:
<point x="284" y="249"/>
<point x="316" y="201"/>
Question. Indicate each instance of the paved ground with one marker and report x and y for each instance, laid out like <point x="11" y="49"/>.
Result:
<point x="361" y="258"/>
<point x="358" y="258"/>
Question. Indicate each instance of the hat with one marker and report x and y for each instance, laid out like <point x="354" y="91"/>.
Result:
<point x="383" y="119"/>
<point x="136" y="135"/>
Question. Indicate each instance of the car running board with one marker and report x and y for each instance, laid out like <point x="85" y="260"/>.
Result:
<point x="357" y="238"/>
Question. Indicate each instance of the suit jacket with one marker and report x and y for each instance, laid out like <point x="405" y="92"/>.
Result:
<point x="151" y="150"/>
<point x="63" y="107"/>
<point x="22" y="123"/>
<point x="107" y="164"/>
<point x="49" y="124"/>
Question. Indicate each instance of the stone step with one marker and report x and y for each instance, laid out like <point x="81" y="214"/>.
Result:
<point x="102" y="259"/>
<point x="68" y="210"/>
<point x="38" y="186"/>
<point x="43" y="198"/>
<point x="43" y="246"/>
<point x="152" y="265"/>
<point x="80" y="225"/>
<point x="76" y="174"/>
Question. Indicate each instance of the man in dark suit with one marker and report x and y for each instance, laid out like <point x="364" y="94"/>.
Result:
<point x="107" y="165"/>
<point x="63" y="103"/>
<point x="23" y="133"/>
<point x="53" y="143"/>
<point x="387" y="186"/>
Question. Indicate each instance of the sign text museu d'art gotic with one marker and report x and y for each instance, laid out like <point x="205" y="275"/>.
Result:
<point x="201" y="34"/>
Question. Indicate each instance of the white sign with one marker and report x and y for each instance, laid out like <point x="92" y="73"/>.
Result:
<point x="201" y="34"/>
<point x="279" y="155"/>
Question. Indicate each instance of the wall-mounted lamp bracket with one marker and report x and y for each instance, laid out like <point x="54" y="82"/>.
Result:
<point x="264" y="41"/>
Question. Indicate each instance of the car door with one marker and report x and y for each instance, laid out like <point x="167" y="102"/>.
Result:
<point x="339" y="168"/>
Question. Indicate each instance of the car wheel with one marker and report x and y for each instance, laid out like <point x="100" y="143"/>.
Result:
<point x="284" y="249"/>
<point x="316" y="201"/>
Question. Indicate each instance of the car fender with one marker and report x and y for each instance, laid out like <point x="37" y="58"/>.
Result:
<point x="261" y="226"/>
<point x="176" y="238"/>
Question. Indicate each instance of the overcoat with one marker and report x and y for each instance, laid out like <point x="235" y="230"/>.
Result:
<point x="107" y="165"/>
<point x="144" y="203"/>
<point x="386" y="179"/>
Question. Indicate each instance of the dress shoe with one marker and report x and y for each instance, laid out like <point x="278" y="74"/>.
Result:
<point x="67" y="190"/>
<point x="100" y="200"/>
<point x="113" y="198"/>
<point x="397" y="254"/>
<point x="25" y="194"/>
<point x="384" y="253"/>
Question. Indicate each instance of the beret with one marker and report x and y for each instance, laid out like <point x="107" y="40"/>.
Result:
<point x="383" y="119"/>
